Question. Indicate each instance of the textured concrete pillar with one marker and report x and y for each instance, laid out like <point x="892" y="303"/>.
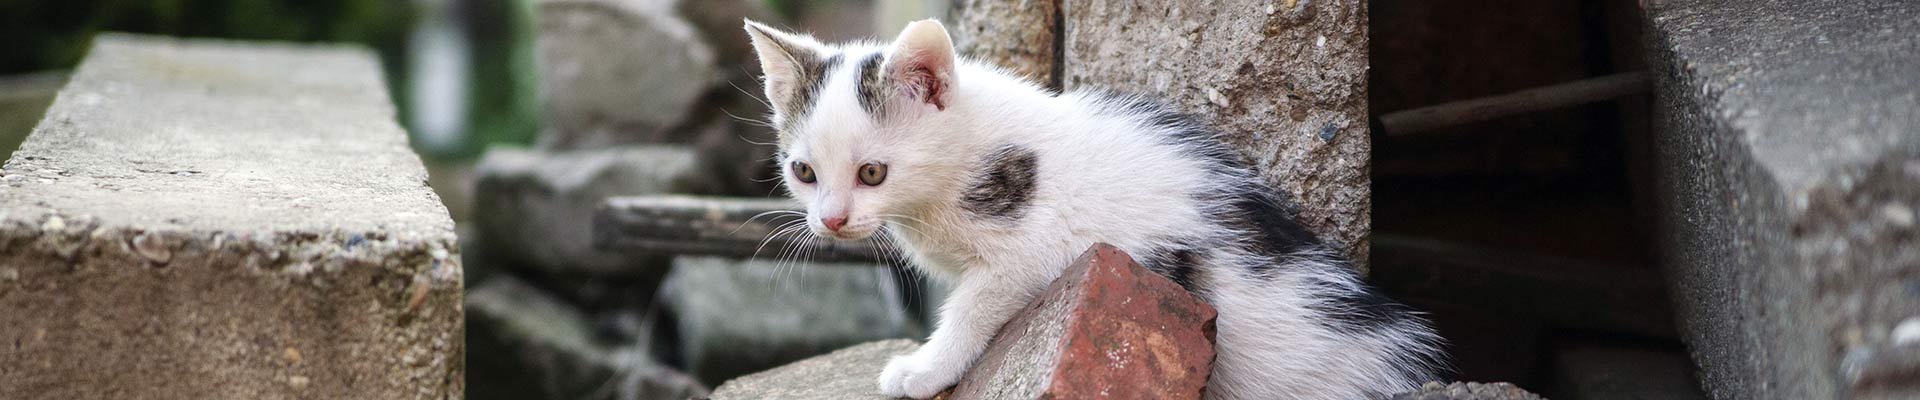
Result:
<point x="199" y="219"/>
<point x="1789" y="166"/>
<point x="1286" y="81"/>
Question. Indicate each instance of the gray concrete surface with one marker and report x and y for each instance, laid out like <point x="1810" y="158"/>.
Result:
<point x="534" y="346"/>
<point x="740" y="317"/>
<point x="1286" y="81"/>
<point x="215" y="219"/>
<point x="847" y="374"/>
<point x="1788" y="149"/>
<point x="1468" y="391"/>
<point x="535" y="208"/>
<point x="618" y="71"/>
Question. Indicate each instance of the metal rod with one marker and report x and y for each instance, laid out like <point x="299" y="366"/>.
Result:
<point x="1408" y="122"/>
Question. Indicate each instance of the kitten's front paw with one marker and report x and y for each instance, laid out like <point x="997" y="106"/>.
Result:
<point x="918" y="377"/>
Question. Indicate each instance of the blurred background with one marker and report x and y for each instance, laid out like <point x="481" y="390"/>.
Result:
<point x="530" y="112"/>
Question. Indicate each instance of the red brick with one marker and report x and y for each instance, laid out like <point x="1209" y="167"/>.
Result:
<point x="1107" y="328"/>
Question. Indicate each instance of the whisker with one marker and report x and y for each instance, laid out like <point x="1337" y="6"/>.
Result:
<point x="775" y="213"/>
<point x="752" y="121"/>
<point x="782" y="229"/>
<point x="749" y="93"/>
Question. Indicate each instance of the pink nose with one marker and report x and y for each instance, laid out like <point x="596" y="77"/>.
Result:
<point x="834" y="224"/>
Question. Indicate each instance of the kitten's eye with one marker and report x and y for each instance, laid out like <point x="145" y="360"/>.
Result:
<point x="802" y="171"/>
<point x="873" y="173"/>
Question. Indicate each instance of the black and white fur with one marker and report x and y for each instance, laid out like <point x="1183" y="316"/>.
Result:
<point x="996" y="185"/>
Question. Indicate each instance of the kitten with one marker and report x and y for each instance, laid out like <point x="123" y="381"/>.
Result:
<point x="996" y="185"/>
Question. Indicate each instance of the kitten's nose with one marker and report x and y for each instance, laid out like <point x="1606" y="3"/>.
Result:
<point x="834" y="224"/>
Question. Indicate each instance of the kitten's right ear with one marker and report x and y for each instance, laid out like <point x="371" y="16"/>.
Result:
<point x="786" y="61"/>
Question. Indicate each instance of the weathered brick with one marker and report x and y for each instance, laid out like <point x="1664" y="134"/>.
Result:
<point x="1106" y="328"/>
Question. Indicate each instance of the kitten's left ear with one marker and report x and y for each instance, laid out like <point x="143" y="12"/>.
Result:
<point x="922" y="63"/>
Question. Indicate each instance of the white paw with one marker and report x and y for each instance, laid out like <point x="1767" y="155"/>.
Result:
<point x="918" y="376"/>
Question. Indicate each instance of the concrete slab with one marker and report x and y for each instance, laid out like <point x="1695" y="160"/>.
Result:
<point x="1789" y="167"/>
<point x="215" y="219"/>
<point x="850" y="373"/>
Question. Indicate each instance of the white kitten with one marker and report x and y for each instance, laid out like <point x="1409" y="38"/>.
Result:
<point x="996" y="185"/>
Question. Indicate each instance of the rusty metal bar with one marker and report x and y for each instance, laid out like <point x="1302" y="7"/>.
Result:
<point x="1408" y="122"/>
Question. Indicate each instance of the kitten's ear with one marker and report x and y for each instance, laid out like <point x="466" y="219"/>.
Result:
<point x="923" y="63"/>
<point x="785" y="60"/>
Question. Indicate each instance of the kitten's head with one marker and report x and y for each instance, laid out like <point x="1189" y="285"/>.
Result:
<point x="854" y="121"/>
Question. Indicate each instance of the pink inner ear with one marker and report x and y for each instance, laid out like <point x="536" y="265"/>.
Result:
<point x="922" y="82"/>
<point x="930" y="87"/>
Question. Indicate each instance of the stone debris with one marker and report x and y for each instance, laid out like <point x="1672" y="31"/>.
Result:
<point x="737" y="317"/>
<point x="538" y="347"/>
<point x="535" y="208"/>
<point x="616" y="72"/>
<point x="852" y="373"/>
<point x="1468" y="391"/>
<point x="1107" y="326"/>
<point x="246" y="170"/>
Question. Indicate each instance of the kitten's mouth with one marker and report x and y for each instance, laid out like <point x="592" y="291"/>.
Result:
<point x="848" y="236"/>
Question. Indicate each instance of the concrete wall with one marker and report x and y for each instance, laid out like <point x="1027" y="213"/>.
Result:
<point x="1286" y="81"/>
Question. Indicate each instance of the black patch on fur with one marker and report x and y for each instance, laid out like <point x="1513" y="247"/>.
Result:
<point x="1179" y="263"/>
<point x="1276" y="233"/>
<point x="1005" y="183"/>
<point x="1190" y="131"/>
<point x="813" y="77"/>
<point x="872" y="85"/>
<point x="1359" y="311"/>
<point x="1258" y="208"/>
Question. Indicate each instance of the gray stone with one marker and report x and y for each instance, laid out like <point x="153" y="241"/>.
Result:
<point x="1606" y="372"/>
<point x="986" y="30"/>
<point x="535" y="208"/>
<point x="618" y="71"/>
<point x="1285" y="80"/>
<point x="538" y="347"/>
<point x="736" y="317"/>
<point x="218" y="219"/>
<point x="1784" y="129"/>
<point x="850" y="374"/>
<point x="1468" y="391"/>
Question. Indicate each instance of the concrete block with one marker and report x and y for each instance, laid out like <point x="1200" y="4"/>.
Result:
<point x="1789" y="167"/>
<point x="535" y="208"/>
<point x="1286" y="81"/>
<point x="216" y="219"/>
<point x="1021" y="36"/>
<point x="847" y="374"/>
<point x="538" y="347"/>
<point x="1106" y="328"/>
<point x="1468" y="391"/>
<point x="738" y="317"/>
<point x="618" y="71"/>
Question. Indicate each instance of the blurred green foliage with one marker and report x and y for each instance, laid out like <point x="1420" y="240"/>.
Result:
<point x="505" y="97"/>
<point x="55" y="34"/>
